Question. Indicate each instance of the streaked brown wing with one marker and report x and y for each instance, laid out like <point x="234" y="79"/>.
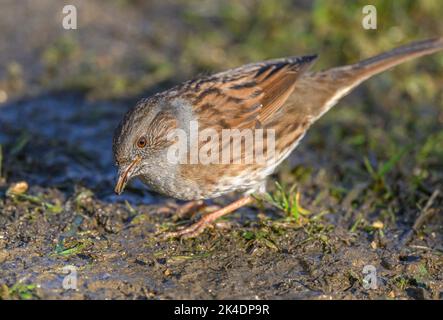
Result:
<point x="246" y="97"/>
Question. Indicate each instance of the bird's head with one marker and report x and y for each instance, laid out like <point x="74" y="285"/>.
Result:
<point x="141" y="139"/>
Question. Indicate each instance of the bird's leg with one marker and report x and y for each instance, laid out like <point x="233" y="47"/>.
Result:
<point x="198" y="227"/>
<point x="189" y="207"/>
<point x="182" y="210"/>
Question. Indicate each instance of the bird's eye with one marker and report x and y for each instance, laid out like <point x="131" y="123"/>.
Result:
<point x="141" y="143"/>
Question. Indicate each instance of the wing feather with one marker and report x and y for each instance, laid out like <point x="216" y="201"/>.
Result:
<point x="249" y="96"/>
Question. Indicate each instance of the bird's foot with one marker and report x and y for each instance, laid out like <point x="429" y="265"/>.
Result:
<point x="181" y="211"/>
<point x="191" y="231"/>
<point x="189" y="208"/>
<point x="198" y="227"/>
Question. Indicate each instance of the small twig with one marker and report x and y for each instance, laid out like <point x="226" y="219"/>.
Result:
<point x="420" y="247"/>
<point x="424" y="215"/>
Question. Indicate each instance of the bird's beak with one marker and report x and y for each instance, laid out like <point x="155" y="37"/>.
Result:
<point x="125" y="175"/>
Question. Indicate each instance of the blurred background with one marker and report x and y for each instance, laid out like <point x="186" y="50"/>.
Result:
<point x="125" y="47"/>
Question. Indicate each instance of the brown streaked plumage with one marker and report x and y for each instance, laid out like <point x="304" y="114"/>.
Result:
<point x="279" y="95"/>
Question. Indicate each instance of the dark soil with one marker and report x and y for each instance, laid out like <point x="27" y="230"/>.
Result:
<point x="116" y="242"/>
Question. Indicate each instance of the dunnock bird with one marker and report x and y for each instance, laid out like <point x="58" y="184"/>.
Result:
<point x="279" y="96"/>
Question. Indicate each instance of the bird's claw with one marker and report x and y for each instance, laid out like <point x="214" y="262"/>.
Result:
<point x="189" y="232"/>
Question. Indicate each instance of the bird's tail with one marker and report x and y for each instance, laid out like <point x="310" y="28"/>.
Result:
<point x="335" y="83"/>
<point x="372" y="66"/>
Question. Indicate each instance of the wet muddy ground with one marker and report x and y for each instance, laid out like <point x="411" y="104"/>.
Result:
<point x="370" y="174"/>
<point x="70" y="217"/>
